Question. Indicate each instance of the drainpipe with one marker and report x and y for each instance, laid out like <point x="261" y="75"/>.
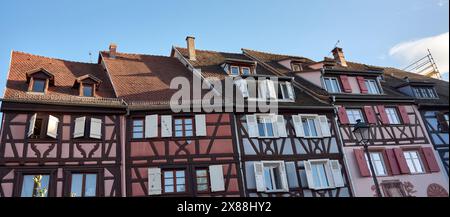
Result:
<point x="124" y="134"/>
<point x="244" y="187"/>
<point x="339" y="136"/>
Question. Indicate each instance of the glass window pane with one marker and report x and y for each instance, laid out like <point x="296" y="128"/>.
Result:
<point x="38" y="86"/>
<point x="137" y="135"/>
<point x="180" y="173"/>
<point x="91" y="185"/>
<point x="181" y="180"/>
<point x="245" y="71"/>
<point x="168" y="181"/>
<point x="312" y="127"/>
<point x="87" y="91"/>
<point x="29" y="187"/>
<point x="77" y="184"/>
<point x="305" y="126"/>
<point x="202" y="187"/>
<point x="178" y="133"/>
<point x="261" y="129"/>
<point x="201" y="172"/>
<point x="234" y="70"/>
<point x="188" y="127"/>
<point x="168" y="188"/>
<point x="181" y="188"/>
<point x="189" y="133"/>
<point x="268" y="178"/>
<point x="178" y="127"/>
<point x="188" y="121"/>
<point x="178" y="121"/>
<point x="168" y="174"/>
<point x="269" y="129"/>
<point x="202" y="180"/>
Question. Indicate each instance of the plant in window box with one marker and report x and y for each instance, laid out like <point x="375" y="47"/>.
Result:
<point x="40" y="192"/>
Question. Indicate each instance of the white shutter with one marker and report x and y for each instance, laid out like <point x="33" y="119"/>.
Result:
<point x="31" y="126"/>
<point x="309" y="176"/>
<point x="271" y="89"/>
<point x="324" y="127"/>
<point x="273" y="121"/>
<point x="241" y="84"/>
<point x="262" y="89"/>
<point x="151" y="126"/>
<point x="200" y="125"/>
<point x="259" y="176"/>
<point x="79" y="127"/>
<point x="290" y="90"/>
<point x="329" y="173"/>
<point x="216" y="178"/>
<point x="154" y="181"/>
<point x="281" y="126"/>
<point x="337" y="173"/>
<point x="252" y="126"/>
<point x="317" y="125"/>
<point x="166" y="126"/>
<point x="298" y="126"/>
<point x="283" y="175"/>
<point x="96" y="128"/>
<point x="52" y="127"/>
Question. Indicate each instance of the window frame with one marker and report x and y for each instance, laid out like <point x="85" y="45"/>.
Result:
<point x="317" y="128"/>
<point x="245" y="67"/>
<point x="371" y="85"/>
<point x="91" y="86"/>
<point x="20" y="173"/>
<point x="419" y="159"/>
<point x="132" y="128"/>
<point x="44" y="88"/>
<point x="273" y="164"/>
<point x="425" y="92"/>
<point x="393" y="183"/>
<point x="271" y="121"/>
<point x="324" y="163"/>
<point x="183" y="125"/>
<point x="83" y="184"/>
<point x="360" y="111"/>
<point x="382" y="161"/>
<point x="42" y="136"/>
<point x="396" y="114"/>
<point x="174" y="178"/>
<point x="338" y="85"/>
<point x="238" y="70"/>
<point x="208" y="181"/>
<point x="285" y="95"/>
<point x="22" y="179"/>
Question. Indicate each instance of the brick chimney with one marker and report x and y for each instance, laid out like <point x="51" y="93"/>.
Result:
<point x="339" y="56"/>
<point x="112" y="50"/>
<point x="190" y="40"/>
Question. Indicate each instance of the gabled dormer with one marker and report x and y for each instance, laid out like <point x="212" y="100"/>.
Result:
<point x="266" y="88"/>
<point x="87" y="85"/>
<point x="418" y="89"/>
<point x="39" y="80"/>
<point x="293" y="63"/>
<point x="239" y="67"/>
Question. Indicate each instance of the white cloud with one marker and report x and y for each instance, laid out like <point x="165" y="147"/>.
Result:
<point x="410" y="51"/>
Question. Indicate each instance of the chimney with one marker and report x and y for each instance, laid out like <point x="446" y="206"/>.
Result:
<point x="112" y="50"/>
<point x="190" y="40"/>
<point x="339" y="56"/>
<point x="406" y="79"/>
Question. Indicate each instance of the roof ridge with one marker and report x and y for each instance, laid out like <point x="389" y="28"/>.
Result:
<point x="210" y="51"/>
<point x="265" y="52"/>
<point x="51" y="58"/>
<point x="139" y="54"/>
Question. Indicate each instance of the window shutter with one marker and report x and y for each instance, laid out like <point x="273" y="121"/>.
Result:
<point x="298" y="126"/>
<point x="200" y="125"/>
<point x="362" y="84"/>
<point x="337" y="173"/>
<point x="362" y="163"/>
<point x="428" y="153"/>
<point x="290" y="90"/>
<point x="345" y="83"/>
<point x="96" y="128"/>
<point x="324" y="126"/>
<point x="271" y="89"/>
<point x="281" y="125"/>
<point x="395" y="169"/>
<point x="242" y="86"/>
<point x="31" y="126"/>
<point x="252" y="126"/>
<point x="79" y="127"/>
<point x="442" y="122"/>
<point x="383" y="116"/>
<point x="329" y="174"/>
<point x="259" y="176"/>
<point x="166" y="126"/>
<point x="309" y="176"/>
<point x="154" y="181"/>
<point x="284" y="177"/>
<point x="404" y="169"/>
<point x="403" y="114"/>
<point x="151" y="126"/>
<point x="370" y="114"/>
<point x="216" y="177"/>
<point x="318" y="126"/>
<point x="342" y="114"/>
<point x="52" y="127"/>
<point x="262" y="89"/>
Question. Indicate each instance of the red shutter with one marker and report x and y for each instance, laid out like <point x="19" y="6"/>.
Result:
<point x="404" y="169"/>
<point x="362" y="163"/>
<point x="443" y="126"/>
<point x="404" y="114"/>
<point x="383" y="115"/>
<point x="342" y="115"/>
<point x="395" y="169"/>
<point x="362" y="84"/>
<point x="430" y="159"/>
<point x="370" y="114"/>
<point x="345" y="83"/>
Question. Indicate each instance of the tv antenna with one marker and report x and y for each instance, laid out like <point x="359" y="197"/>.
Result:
<point x="90" y="57"/>
<point x="335" y="45"/>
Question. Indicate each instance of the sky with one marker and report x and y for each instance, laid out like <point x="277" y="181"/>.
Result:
<point x="378" y="32"/>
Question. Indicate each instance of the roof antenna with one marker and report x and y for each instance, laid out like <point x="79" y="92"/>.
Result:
<point x="335" y="45"/>
<point x="90" y="57"/>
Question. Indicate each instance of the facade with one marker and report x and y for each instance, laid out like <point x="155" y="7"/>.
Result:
<point x="109" y="128"/>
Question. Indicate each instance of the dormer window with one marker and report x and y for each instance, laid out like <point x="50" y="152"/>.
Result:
<point x="296" y="67"/>
<point x="39" y="80"/>
<point x="372" y="86"/>
<point x="239" y="70"/>
<point x="332" y="84"/>
<point x="88" y="90"/>
<point x="234" y="70"/>
<point x="425" y="92"/>
<point x="87" y="85"/>
<point x="245" y="71"/>
<point x="38" y="85"/>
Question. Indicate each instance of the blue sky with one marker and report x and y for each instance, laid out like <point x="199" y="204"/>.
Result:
<point x="367" y="30"/>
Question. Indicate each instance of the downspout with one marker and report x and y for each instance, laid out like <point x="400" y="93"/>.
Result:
<point x="339" y="136"/>
<point x="244" y="187"/>
<point x="124" y="135"/>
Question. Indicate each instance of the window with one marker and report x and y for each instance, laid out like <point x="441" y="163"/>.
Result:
<point x="318" y="170"/>
<point x="413" y="161"/>
<point x="43" y="126"/>
<point x="245" y="71"/>
<point x="285" y="91"/>
<point x="354" y="114"/>
<point x="446" y="118"/>
<point x="38" y="126"/>
<point x="38" y="85"/>
<point x="183" y="127"/>
<point x="138" y="129"/>
<point x="88" y="90"/>
<point x="265" y="126"/>
<point x="309" y="126"/>
<point x="202" y="180"/>
<point x="174" y="181"/>
<point x="392" y="115"/>
<point x="332" y="85"/>
<point x="234" y="70"/>
<point x="372" y="86"/>
<point x="378" y="163"/>
<point x="296" y="67"/>
<point x="83" y="185"/>
<point x="30" y="187"/>
<point x="425" y="92"/>
<point x="272" y="177"/>
<point x="393" y="189"/>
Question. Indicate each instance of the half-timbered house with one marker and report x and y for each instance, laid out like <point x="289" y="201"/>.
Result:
<point x="291" y="152"/>
<point x="61" y="125"/>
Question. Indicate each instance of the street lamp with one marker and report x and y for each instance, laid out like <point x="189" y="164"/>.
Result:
<point x="362" y="134"/>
